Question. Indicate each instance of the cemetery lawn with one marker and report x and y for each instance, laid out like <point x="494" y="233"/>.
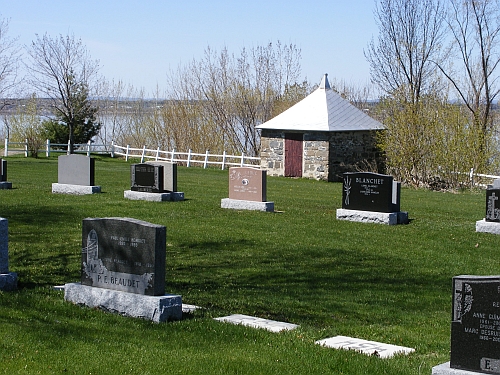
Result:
<point x="300" y="265"/>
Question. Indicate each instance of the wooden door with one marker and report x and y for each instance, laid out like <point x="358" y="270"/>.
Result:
<point x="293" y="154"/>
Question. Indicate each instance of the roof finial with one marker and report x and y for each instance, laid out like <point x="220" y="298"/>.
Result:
<point x="324" y="82"/>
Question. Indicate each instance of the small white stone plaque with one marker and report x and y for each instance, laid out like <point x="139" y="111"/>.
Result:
<point x="254" y="322"/>
<point x="367" y="347"/>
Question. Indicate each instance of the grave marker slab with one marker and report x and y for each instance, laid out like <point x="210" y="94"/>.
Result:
<point x="169" y="174"/>
<point x="124" y="254"/>
<point x="146" y="178"/>
<point x="247" y="190"/>
<point x="4" y="184"/>
<point x="254" y="322"/>
<point x="8" y="280"/>
<point x="75" y="175"/>
<point x="364" y="346"/>
<point x="370" y="192"/>
<point x="247" y="184"/>
<point x="475" y="326"/>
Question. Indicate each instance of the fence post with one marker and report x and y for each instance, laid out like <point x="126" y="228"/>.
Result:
<point x="143" y="153"/>
<point x="188" y="160"/>
<point x="26" y="148"/>
<point x="67" y="152"/>
<point x="242" y="158"/>
<point x="206" y="160"/>
<point x="6" y="150"/>
<point x="157" y="153"/>
<point x="112" y="153"/>
<point x="471" y="177"/>
<point x="88" y="148"/>
<point x="173" y="156"/>
<point x="223" y="160"/>
<point x="47" y="148"/>
<point x="126" y="153"/>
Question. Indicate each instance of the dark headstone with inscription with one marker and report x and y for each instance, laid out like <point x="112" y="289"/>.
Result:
<point x="146" y="178"/>
<point x="370" y="192"/>
<point x="493" y="203"/>
<point x="124" y="254"/>
<point x="475" y="326"/>
<point x="3" y="170"/>
<point x="4" y="184"/>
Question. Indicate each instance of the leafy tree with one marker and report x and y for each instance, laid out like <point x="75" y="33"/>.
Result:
<point x="62" y="70"/>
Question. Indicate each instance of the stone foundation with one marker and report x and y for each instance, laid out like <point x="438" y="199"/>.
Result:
<point x="74" y="189"/>
<point x="153" y="197"/>
<point x="237" y="204"/>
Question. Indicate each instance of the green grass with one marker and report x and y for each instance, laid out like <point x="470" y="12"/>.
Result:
<point x="300" y="265"/>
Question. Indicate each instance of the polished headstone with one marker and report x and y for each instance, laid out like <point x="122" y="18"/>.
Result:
<point x="146" y="178"/>
<point x="4" y="246"/>
<point x="124" y="254"/>
<point x="367" y="191"/>
<point x="247" y="184"/>
<point x="475" y="326"/>
<point x="3" y="170"/>
<point x="492" y="204"/>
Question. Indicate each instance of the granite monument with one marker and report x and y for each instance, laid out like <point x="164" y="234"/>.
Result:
<point x="75" y="175"/>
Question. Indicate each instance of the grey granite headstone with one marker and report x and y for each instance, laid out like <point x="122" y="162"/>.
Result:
<point x="75" y="170"/>
<point x="491" y="221"/>
<point x="124" y="254"/>
<point x="169" y="174"/>
<point x="8" y="280"/>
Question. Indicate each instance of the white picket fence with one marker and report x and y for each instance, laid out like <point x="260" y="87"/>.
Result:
<point x="188" y="158"/>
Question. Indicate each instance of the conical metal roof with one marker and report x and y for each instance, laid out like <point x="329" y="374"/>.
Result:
<point x="322" y="110"/>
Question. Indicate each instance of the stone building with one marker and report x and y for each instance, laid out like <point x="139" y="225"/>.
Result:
<point x="320" y="137"/>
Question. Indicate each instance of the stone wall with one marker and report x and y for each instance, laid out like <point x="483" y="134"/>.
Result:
<point x="326" y="155"/>
<point x="272" y="152"/>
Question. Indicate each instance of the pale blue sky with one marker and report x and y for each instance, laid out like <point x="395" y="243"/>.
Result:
<point x="138" y="42"/>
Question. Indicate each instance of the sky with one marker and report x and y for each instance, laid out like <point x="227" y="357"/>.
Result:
<point x="139" y="42"/>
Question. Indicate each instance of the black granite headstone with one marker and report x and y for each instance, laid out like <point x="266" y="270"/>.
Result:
<point x="492" y="205"/>
<point x="146" y="178"/>
<point x="124" y="254"/>
<point x="475" y="326"/>
<point x="3" y="170"/>
<point x="367" y="191"/>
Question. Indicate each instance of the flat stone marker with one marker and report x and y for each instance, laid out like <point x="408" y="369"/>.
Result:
<point x="254" y="322"/>
<point x="364" y="346"/>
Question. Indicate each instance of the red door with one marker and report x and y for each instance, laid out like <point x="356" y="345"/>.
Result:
<point x="293" y="154"/>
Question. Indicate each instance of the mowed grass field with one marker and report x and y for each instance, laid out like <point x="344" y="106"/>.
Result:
<point x="390" y="284"/>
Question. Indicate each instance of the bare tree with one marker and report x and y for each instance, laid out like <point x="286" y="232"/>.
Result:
<point x="410" y="36"/>
<point x="62" y="70"/>
<point x="10" y="55"/>
<point x="475" y="28"/>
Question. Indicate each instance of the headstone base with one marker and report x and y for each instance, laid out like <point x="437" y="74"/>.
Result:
<point x="155" y="308"/>
<point x="8" y="281"/>
<point x="388" y="218"/>
<point x="75" y="189"/>
<point x="238" y="204"/>
<point x="5" y="185"/>
<point x="445" y="369"/>
<point x="174" y="196"/>
<point x="487" y="226"/>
